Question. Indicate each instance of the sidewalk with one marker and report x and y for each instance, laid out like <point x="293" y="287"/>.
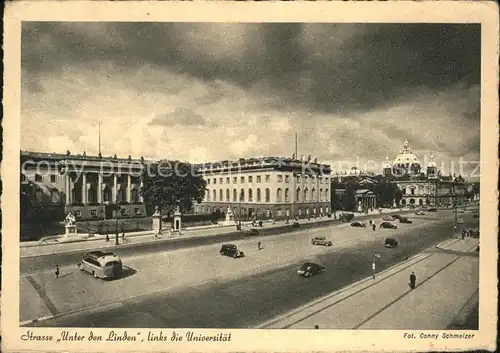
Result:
<point x="447" y="278"/>
<point x="38" y="248"/>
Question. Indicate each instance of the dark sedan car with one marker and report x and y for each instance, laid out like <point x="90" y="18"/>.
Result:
<point x="388" y="225"/>
<point x="396" y="216"/>
<point x="309" y="269"/>
<point x="405" y="220"/>
<point x="295" y="224"/>
<point x="390" y="243"/>
<point x="252" y="231"/>
<point x="231" y="250"/>
<point x="358" y="224"/>
<point x="432" y="209"/>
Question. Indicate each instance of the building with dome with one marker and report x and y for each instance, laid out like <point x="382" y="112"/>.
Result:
<point x="428" y="187"/>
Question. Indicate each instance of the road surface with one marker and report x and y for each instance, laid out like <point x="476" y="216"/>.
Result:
<point x="199" y="288"/>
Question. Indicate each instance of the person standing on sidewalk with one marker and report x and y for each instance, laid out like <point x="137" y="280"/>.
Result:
<point x="413" y="280"/>
<point x="57" y="271"/>
<point x="259" y="245"/>
<point x="107" y="238"/>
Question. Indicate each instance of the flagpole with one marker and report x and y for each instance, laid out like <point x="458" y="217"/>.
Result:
<point x="99" y="138"/>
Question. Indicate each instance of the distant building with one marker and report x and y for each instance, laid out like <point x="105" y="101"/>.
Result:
<point x="266" y="187"/>
<point x="429" y="188"/>
<point x="90" y="187"/>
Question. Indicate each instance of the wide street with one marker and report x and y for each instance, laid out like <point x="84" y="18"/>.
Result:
<point x="197" y="287"/>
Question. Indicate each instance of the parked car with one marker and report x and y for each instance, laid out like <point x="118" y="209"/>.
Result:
<point x="358" y="224"/>
<point x="231" y="250"/>
<point x="346" y="217"/>
<point x="432" y="209"/>
<point x="295" y="224"/>
<point x="389" y="218"/>
<point x="309" y="269"/>
<point x="396" y="216"/>
<point x="252" y="231"/>
<point x="321" y="241"/>
<point x="420" y="213"/>
<point x="390" y="243"/>
<point x="101" y="264"/>
<point x="405" y="220"/>
<point x="388" y="225"/>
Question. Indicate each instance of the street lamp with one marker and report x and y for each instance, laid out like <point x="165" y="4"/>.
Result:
<point x="375" y="256"/>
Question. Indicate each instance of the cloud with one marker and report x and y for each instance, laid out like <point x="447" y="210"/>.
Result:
<point x="224" y="91"/>
<point x="180" y="116"/>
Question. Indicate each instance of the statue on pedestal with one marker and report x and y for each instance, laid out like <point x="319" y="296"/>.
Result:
<point x="70" y="224"/>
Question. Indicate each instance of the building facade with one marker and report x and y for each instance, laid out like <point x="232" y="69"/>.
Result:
<point x="429" y="188"/>
<point x="90" y="187"/>
<point x="270" y="187"/>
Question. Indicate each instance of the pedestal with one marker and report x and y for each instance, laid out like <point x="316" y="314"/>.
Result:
<point x="156" y="227"/>
<point x="177" y="226"/>
<point x="70" y="230"/>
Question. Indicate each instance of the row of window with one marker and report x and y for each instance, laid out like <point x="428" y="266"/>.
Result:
<point x="267" y="212"/>
<point x="300" y="196"/>
<point x="412" y="190"/>
<point x="258" y="179"/>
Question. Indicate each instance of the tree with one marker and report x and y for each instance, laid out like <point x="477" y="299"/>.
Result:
<point x="336" y="203"/>
<point x="398" y="195"/>
<point x="168" y="184"/>
<point x="349" y="199"/>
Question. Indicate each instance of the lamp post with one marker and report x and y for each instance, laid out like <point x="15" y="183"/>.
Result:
<point x="375" y="256"/>
<point x="454" y="200"/>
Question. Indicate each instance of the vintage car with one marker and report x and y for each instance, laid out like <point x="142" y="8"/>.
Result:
<point x="389" y="218"/>
<point x="420" y="213"/>
<point x="231" y="250"/>
<point x="405" y="220"/>
<point x="432" y="209"/>
<point x="390" y="243"/>
<point x="252" y="231"/>
<point x="358" y="224"/>
<point x="396" y="216"/>
<point x="346" y="217"/>
<point x="295" y="224"/>
<point x="388" y="225"/>
<point x="101" y="264"/>
<point x="321" y="241"/>
<point x="309" y="269"/>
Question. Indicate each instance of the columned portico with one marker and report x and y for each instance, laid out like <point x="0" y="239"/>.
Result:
<point x="84" y="188"/>
<point x="99" y="188"/>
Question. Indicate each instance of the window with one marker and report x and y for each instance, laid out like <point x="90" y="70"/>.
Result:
<point x="53" y="178"/>
<point x="321" y="195"/>
<point x="123" y="211"/>
<point x="215" y="180"/>
<point x="320" y="180"/>
<point x="279" y="195"/>
<point x="314" y="194"/>
<point x="235" y="195"/>
<point x="305" y="195"/>
<point x="221" y="180"/>
<point x="242" y="179"/>
<point x="268" y="195"/>
<point x="221" y="195"/>
<point x="412" y="191"/>
<point x="403" y="190"/>
<point x="287" y="195"/>
<point x="93" y="213"/>
<point x="208" y="181"/>
<point x="227" y="195"/>
<point x="287" y="178"/>
<point x="250" y="195"/>
<point x="215" y="195"/>
<point x="23" y="177"/>
<point x="250" y="179"/>
<point x="258" y="178"/>
<point x="78" y="214"/>
<point x="235" y="180"/>
<point x="280" y="178"/>
<point x="242" y="195"/>
<point x="258" y="195"/>
<point x="268" y="178"/>
<point x="137" y="211"/>
<point x="227" y="180"/>
<point x="297" y="196"/>
<point x="298" y="179"/>
<point x="208" y="195"/>
<point x="38" y="178"/>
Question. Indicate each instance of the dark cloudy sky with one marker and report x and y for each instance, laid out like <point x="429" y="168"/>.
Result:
<point x="206" y="92"/>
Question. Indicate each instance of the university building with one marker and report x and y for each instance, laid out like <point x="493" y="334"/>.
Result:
<point x="90" y="187"/>
<point x="266" y="187"/>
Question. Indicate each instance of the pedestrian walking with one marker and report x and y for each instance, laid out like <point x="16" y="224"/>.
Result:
<point x="107" y="238"/>
<point x="123" y="236"/>
<point x="413" y="280"/>
<point x="57" y="271"/>
<point x="316" y="327"/>
<point x="373" y="226"/>
<point x="371" y="222"/>
<point x="259" y="245"/>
